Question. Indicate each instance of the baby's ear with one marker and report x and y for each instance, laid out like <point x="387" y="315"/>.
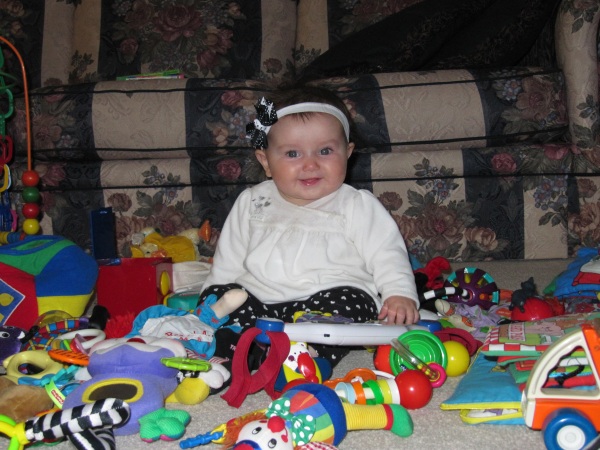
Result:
<point x="350" y="148"/>
<point x="261" y="156"/>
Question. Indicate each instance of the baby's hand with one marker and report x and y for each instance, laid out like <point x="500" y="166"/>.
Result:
<point x="397" y="310"/>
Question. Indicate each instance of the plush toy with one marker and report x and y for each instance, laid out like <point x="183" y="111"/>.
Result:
<point x="130" y="370"/>
<point x="44" y="273"/>
<point x="10" y="341"/>
<point x="20" y="402"/>
<point x="195" y="386"/>
<point x="520" y="296"/>
<point x="434" y="270"/>
<point x="195" y="330"/>
<point x="180" y="248"/>
<point x="88" y="427"/>
<point x="305" y="414"/>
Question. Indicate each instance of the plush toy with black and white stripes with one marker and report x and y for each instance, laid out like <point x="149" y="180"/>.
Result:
<point x="88" y="427"/>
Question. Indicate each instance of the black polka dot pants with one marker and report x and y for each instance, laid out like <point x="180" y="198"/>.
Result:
<point x="349" y="302"/>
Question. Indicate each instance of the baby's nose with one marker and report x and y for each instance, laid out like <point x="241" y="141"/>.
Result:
<point x="311" y="163"/>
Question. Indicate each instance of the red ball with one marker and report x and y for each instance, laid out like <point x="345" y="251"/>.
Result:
<point x="381" y="359"/>
<point x="31" y="210"/>
<point x="30" y="178"/>
<point x="415" y="389"/>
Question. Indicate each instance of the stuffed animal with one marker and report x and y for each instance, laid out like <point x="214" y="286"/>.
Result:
<point x="520" y="296"/>
<point x="20" y="401"/>
<point x="305" y="414"/>
<point x="195" y="330"/>
<point x="87" y="426"/>
<point x="10" y="341"/>
<point x="130" y="370"/>
<point x="180" y="248"/>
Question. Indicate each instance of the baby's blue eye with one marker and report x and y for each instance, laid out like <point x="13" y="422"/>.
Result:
<point x="325" y="151"/>
<point x="292" y="154"/>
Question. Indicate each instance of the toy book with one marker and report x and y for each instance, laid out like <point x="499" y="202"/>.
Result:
<point x="531" y="338"/>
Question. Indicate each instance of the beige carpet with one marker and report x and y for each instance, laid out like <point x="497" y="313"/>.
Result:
<point x="434" y="429"/>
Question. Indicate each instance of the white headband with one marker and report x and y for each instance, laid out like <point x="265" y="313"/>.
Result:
<point x="315" y="107"/>
<point x="267" y="116"/>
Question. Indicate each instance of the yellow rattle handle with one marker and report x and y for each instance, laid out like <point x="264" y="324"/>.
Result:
<point x="15" y="431"/>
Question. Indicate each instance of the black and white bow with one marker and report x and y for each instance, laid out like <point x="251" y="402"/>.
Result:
<point x="257" y="130"/>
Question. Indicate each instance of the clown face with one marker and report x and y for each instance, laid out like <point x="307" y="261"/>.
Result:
<point x="266" y="434"/>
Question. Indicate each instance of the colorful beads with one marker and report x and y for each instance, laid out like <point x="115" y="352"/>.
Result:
<point x="30" y="196"/>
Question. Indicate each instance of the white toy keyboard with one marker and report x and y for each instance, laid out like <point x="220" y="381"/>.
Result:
<point x="346" y="333"/>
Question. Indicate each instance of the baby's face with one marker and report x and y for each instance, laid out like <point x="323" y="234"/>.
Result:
<point x="307" y="158"/>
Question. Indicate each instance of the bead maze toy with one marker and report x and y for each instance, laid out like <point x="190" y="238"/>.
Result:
<point x="30" y="178"/>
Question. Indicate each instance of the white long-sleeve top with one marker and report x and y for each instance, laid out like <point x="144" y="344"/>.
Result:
<point x="283" y="252"/>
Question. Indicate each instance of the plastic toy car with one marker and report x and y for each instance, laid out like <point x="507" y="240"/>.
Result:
<point x="569" y="417"/>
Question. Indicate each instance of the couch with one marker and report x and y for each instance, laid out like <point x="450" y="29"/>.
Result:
<point x="476" y="121"/>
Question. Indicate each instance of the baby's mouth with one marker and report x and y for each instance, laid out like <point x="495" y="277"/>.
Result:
<point x="310" y="181"/>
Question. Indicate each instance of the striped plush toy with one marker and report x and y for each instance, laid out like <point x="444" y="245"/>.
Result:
<point x="78" y="424"/>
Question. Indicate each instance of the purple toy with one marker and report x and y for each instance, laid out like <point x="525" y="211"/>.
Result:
<point x="10" y="341"/>
<point x="130" y="371"/>
<point x="473" y="287"/>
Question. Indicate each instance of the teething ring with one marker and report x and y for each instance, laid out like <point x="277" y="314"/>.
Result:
<point x="194" y="365"/>
<point x="9" y="427"/>
<point x="38" y="358"/>
<point x="441" y="372"/>
<point x="69" y="357"/>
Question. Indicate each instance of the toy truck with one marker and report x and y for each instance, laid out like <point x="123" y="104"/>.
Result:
<point x="568" y="417"/>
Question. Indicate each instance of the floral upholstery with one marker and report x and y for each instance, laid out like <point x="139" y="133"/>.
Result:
<point x="473" y="164"/>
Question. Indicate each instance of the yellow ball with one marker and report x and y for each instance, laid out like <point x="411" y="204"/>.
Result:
<point x="458" y="358"/>
<point x="31" y="226"/>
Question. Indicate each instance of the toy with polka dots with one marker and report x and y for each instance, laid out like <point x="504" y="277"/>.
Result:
<point x="30" y="178"/>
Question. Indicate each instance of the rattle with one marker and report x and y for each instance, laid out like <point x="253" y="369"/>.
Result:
<point x="433" y="371"/>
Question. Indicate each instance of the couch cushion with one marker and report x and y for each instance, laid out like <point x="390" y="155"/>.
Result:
<point x="452" y="109"/>
<point x="393" y="112"/>
<point x="368" y="37"/>
<point x="207" y="39"/>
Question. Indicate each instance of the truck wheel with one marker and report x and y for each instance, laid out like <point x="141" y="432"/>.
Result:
<point x="567" y="429"/>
